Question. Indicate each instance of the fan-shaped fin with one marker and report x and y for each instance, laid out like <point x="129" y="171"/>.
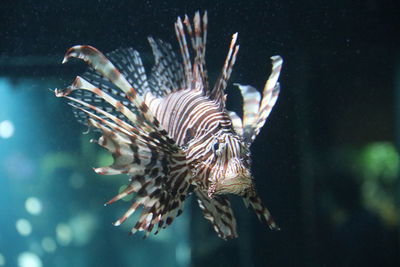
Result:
<point x="218" y="211"/>
<point x="167" y="73"/>
<point x="107" y="69"/>
<point x="255" y="113"/>
<point x="261" y="211"/>
<point x="160" y="177"/>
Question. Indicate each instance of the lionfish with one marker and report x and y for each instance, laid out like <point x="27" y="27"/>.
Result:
<point x="169" y="131"/>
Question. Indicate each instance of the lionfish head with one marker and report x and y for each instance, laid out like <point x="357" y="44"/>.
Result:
<point x="229" y="166"/>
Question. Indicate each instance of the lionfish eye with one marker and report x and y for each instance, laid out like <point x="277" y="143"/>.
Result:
<point x="216" y="146"/>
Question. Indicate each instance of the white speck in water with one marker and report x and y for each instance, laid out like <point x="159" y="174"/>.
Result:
<point x="48" y="244"/>
<point x="6" y="129"/>
<point x="24" y="227"/>
<point x="182" y="254"/>
<point x="2" y="260"/>
<point x="83" y="228"/>
<point x="64" y="234"/>
<point x="33" y="205"/>
<point x="29" y="259"/>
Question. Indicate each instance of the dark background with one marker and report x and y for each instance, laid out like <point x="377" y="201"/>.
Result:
<point x="338" y="91"/>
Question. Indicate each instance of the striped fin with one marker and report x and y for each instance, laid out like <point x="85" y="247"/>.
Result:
<point x="87" y="92"/>
<point x="251" y="106"/>
<point x="118" y="108"/>
<point x="261" y="211"/>
<point x="218" y="211"/>
<point x="167" y="73"/>
<point x="129" y="63"/>
<point x="187" y="65"/>
<point x="217" y="93"/>
<point x="121" y="126"/>
<point x="204" y="73"/>
<point x="236" y="123"/>
<point x="106" y="68"/>
<point x="198" y="41"/>
<point x="160" y="177"/>
<point x="161" y="181"/>
<point x="161" y="194"/>
<point x="270" y="93"/>
<point x="140" y="147"/>
<point x="255" y="113"/>
<point x="205" y="26"/>
<point x="93" y="99"/>
<point x="195" y="74"/>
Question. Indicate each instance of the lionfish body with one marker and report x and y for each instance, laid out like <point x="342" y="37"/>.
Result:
<point x="170" y="131"/>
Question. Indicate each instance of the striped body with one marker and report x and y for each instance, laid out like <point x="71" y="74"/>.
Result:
<point x="188" y="115"/>
<point x="170" y="132"/>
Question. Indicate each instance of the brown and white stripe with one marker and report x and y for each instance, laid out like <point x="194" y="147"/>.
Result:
<point x="170" y="132"/>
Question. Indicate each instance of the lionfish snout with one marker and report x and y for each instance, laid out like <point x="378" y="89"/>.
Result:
<point x="236" y="180"/>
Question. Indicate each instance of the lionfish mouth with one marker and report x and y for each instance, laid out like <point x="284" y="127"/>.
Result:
<point x="238" y="185"/>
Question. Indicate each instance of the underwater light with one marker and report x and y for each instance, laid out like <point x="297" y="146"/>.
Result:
<point x="182" y="253"/>
<point x="77" y="180"/>
<point x="6" y="129"/>
<point x="64" y="234"/>
<point x="33" y="205"/>
<point x="2" y="260"/>
<point x="48" y="244"/>
<point x="24" y="227"/>
<point x="29" y="259"/>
